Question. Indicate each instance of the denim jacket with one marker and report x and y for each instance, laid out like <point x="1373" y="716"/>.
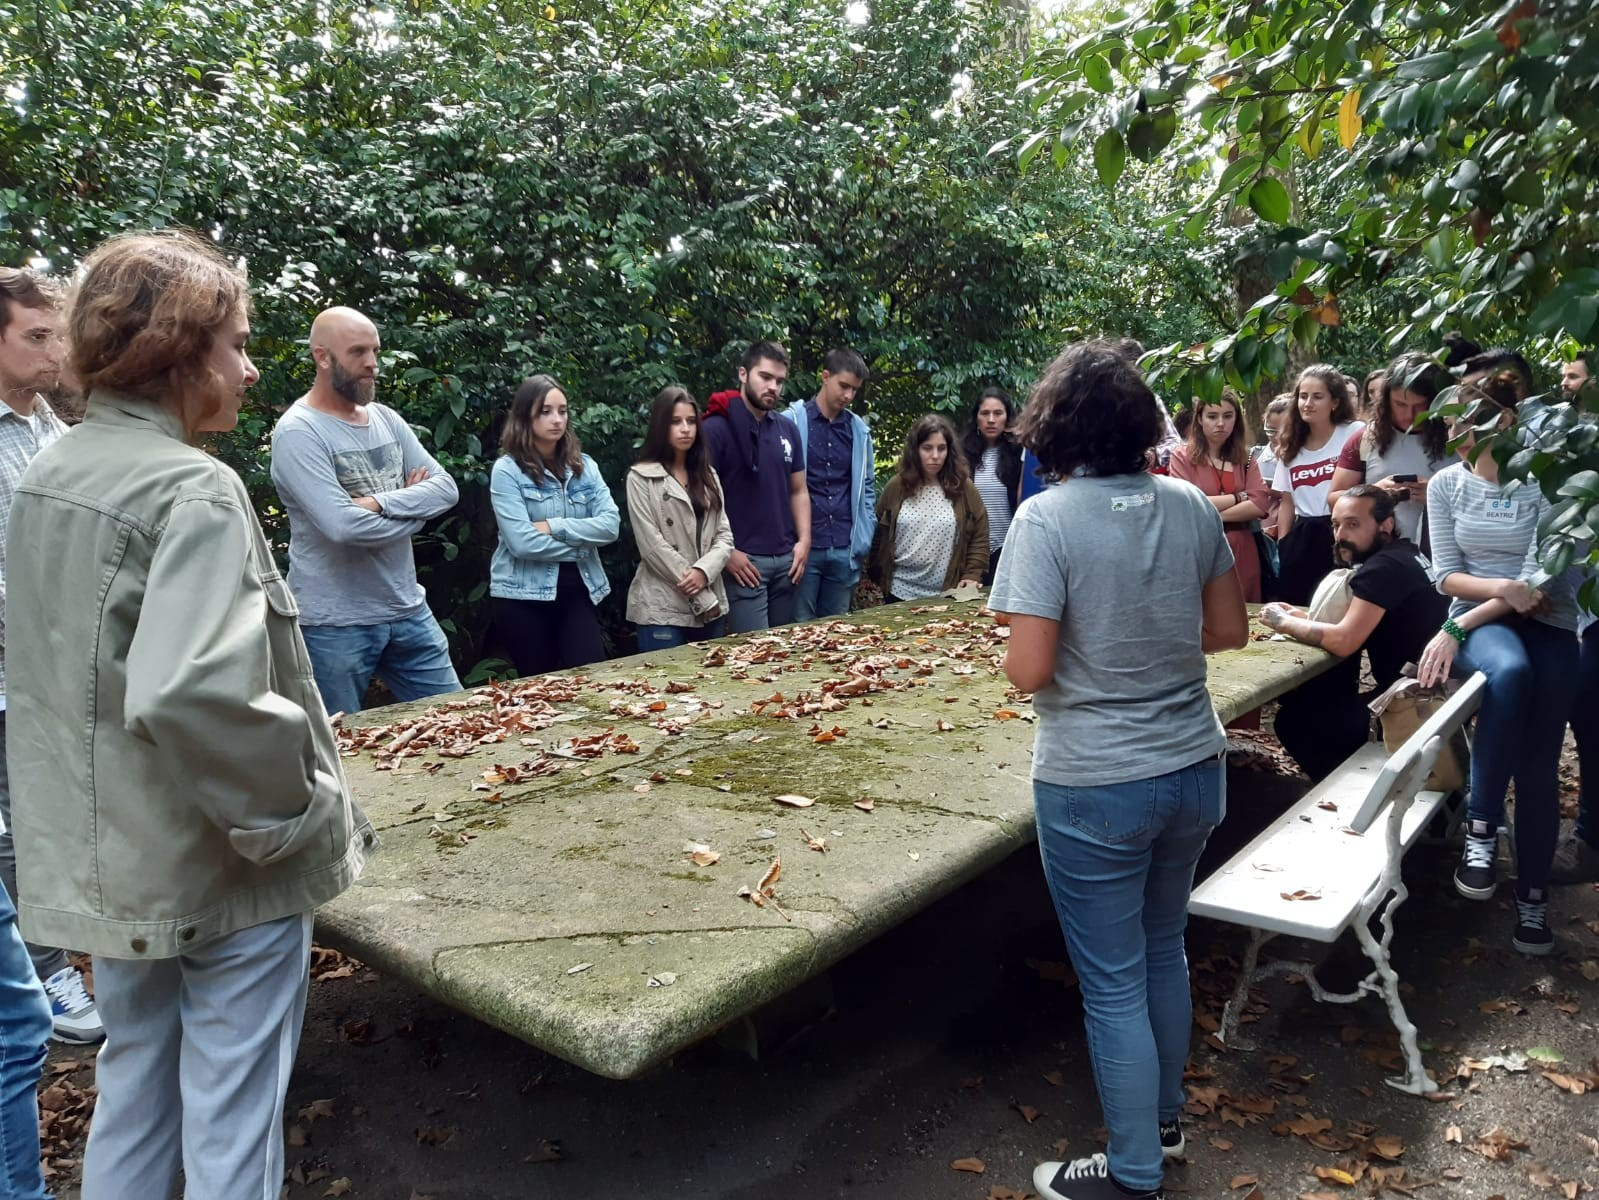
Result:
<point x="582" y="517"/>
<point x="862" y="485"/>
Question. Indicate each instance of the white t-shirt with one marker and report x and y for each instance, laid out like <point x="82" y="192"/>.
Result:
<point x="1308" y="475"/>
<point x="925" y="542"/>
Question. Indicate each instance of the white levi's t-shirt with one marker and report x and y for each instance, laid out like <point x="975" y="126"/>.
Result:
<point x="1308" y="475"/>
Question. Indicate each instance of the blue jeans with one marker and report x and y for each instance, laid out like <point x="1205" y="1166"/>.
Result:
<point x="1119" y="860"/>
<point x="1520" y="727"/>
<point x="772" y="603"/>
<point x="668" y="637"/>
<point x="410" y="655"/>
<point x="24" y="1029"/>
<point x="1585" y="725"/>
<point x="828" y="584"/>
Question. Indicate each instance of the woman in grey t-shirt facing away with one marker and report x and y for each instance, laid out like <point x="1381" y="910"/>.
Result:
<point x="1116" y="584"/>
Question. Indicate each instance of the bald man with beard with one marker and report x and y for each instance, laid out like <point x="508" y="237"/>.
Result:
<point x="357" y="486"/>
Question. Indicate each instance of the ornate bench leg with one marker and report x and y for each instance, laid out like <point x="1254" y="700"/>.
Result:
<point x="1235" y="1006"/>
<point x="1415" y="1080"/>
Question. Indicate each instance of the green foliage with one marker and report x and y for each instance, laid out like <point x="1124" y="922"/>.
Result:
<point x="1430" y="167"/>
<point x="622" y="195"/>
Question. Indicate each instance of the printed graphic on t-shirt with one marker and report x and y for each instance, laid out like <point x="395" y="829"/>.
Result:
<point x="788" y="452"/>
<point x="368" y="472"/>
<point x="1312" y="474"/>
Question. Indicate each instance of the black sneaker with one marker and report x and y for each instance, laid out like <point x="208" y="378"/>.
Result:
<point x="1172" y="1142"/>
<point x="1533" y="935"/>
<point x="1474" y="877"/>
<point x="1086" y="1179"/>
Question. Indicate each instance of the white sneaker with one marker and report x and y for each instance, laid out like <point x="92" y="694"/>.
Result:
<point x="73" y="1017"/>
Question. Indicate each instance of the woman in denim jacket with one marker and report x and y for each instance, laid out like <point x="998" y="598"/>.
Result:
<point x="554" y="513"/>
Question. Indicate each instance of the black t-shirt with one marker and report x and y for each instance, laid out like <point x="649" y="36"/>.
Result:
<point x="1396" y="580"/>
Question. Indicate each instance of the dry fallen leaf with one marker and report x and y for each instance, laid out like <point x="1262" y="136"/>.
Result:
<point x="1006" y="714"/>
<point x="701" y="855"/>
<point x="1301" y="894"/>
<point x="1242" y="1181"/>
<point x="815" y="843"/>
<point x="1335" y="1175"/>
<point x="975" y="1166"/>
<point x="1454" y="1135"/>
<point x="1387" y="1147"/>
<point x="433" y="1135"/>
<point x="579" y="969"/>
<point x="865" y="804"/>
<point x="1055" y="1078"/>
<point x="795" y="801"/>
<point x="764" y="892"/>
<point x="549" y="1152"/>
<point x="339" y="1187"/>
<point x="944" y="726"/>
<point x="1029" y="1113"/>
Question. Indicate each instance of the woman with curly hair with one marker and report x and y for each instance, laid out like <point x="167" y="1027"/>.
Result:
<point x="1321" y="420"/>
<point x="932" y="528"/>
<point x="1117" y="584"/>
<point x="1391" y="452"/>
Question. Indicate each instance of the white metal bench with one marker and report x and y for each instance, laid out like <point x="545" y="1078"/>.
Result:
<point x="1322" y="868"/>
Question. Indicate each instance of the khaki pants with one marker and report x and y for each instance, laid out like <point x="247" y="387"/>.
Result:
<point x="196" y="1066"/>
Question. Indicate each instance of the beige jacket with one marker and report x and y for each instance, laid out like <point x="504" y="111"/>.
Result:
<point x="663" y="523"/>
<point x="173" y="776"/>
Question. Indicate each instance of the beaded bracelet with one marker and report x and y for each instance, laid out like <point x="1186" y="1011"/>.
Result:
<point x="1454" y="630"/>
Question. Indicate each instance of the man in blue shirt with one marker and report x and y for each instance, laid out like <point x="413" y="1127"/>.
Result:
<point x="840" y="474"/>
<point x="758" y="454"/>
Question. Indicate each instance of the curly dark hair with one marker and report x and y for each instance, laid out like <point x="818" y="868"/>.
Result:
<point x="1091" y="410"/>
<point x="1414" y="372"/>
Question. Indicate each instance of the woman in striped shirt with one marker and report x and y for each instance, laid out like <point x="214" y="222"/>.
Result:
<point x="996" y="462"/>
<point x="1523" y="638"/>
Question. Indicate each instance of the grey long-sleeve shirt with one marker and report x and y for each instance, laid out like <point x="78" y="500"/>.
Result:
<point x="348" y="566"/>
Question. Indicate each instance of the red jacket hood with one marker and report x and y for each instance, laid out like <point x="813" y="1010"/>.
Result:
<point x="716" y="403"/>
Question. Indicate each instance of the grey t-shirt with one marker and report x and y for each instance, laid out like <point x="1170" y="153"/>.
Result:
<point x="348" y="566"/>
<point x="1121" y="562"/>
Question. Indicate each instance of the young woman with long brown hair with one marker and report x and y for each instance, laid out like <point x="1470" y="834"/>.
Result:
<point x="1321" y="420"/>
<point x="554" y="513"/>
<point x="1390" y="452"/>
<point x="932" y="528"/>
<point x="679" y="519"/>
<point x="1216" y="460"/>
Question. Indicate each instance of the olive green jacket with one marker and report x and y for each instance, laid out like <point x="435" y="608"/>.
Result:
<point x="173" y="775"/>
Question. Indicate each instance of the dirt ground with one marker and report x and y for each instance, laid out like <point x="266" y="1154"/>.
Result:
<point x="958" y="1039"/>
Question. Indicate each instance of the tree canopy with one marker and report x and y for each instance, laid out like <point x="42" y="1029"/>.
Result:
<point x="622" y="195"/>
<point x="1434" y="166"/>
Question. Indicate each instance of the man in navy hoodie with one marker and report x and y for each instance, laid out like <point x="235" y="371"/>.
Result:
<point x="758" y="454"/>
<point x="840" y="476"/>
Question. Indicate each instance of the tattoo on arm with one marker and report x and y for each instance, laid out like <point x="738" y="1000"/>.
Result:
<point x="1309" y="632"/>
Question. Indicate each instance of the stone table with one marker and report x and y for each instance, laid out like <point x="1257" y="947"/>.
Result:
<point x="538" y="871"/>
